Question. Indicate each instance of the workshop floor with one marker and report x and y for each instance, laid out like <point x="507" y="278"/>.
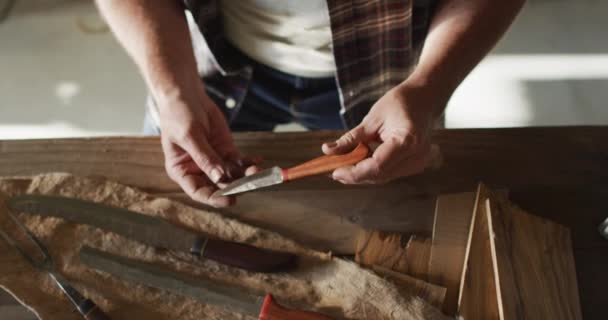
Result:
<point x="63" y="74"/>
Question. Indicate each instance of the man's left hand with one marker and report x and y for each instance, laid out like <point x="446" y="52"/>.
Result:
<point x="401" y="122"/>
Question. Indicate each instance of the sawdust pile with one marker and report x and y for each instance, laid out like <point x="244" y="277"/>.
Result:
<point x="336" y="287"/>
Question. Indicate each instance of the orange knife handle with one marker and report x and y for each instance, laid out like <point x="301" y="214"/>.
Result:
<point x="326" y="164"/>
<point x="273" y="311"/>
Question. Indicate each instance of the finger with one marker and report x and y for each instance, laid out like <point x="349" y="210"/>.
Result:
<point x="252" y="170"/>
<point x="237" y="166"/>
<point x="205" y="157"/>
<point x="199" y="188"/>
<point x="346" y="142"/>
<point x="246" y="161"/>
<point x="372" y="169"/>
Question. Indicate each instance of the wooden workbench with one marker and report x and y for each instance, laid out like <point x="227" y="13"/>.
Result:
<point x="558" y="173"/>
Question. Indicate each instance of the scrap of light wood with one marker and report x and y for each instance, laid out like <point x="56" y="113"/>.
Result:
<point x="418" y="253"/>
<point x="450" y="234"/>
<point x="383" y="249"/>
<point x="518" y="266"/>
<point x="433" y="294"/>
<point x="407" y="254"/>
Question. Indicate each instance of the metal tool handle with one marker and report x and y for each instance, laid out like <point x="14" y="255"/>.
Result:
<point x="91" y="311"/>
<point x="273" y="311"/>
<point x="325" y="164"/>
<point x="86" y="307"/>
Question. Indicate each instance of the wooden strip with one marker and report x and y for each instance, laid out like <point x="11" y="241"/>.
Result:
<point x="433" y="294"/>
<point x="478" y="293"/>
<point x="534" y="264"/>
<point x="449" y="241"/>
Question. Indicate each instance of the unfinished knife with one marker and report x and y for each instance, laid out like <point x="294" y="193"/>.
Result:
<point x="205" y="291"/>
<point x="154" y="231"/>
<point x="276" y="175"/>
<point x="43" y="262"/>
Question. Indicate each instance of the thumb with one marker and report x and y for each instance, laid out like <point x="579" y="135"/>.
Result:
<point x="347" y="142"/>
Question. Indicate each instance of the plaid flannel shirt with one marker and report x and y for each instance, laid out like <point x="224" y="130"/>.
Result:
<point x="375" y="46"/>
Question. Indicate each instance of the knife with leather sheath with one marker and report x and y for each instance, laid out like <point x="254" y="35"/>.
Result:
<point x="205" y="291"/>
<point x="153" y="231"/>
<point x="277" y="175"/>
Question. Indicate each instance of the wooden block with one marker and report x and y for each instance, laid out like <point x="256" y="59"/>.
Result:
<point x="450" y="234"/>
<point x="433" y="294"/>
<point x="518" y="266"/>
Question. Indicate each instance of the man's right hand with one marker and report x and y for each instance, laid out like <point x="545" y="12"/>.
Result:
<point x="199" y="151"/>
<point x="200" y="154"/>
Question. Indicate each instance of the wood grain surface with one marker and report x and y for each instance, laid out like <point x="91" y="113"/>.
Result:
<point x="558" y="173"/>
<point x="534" y="263"/>
<point x="450" y="234"/>
<point x="479" y="297"/>
<point x="518" y="266"/>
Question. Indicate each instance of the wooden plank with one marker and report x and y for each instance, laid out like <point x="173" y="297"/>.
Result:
<point x="478" y="293"/>
<point x="450" y="234"/>
<point x="527" y="157"/>
<point x="433" y="294"/>
<point x="534" y="264"/>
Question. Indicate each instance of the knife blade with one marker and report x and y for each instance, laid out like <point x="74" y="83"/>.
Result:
<point x="153" y="231"/>
<point x="205" y="291"/>
<point x="276" y="175"/>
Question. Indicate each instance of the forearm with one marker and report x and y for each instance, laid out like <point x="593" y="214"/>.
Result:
<point x="155" y="34"/>
<point x="461" y="34"/>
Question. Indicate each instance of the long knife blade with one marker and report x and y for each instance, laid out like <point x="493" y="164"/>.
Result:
<point x="205" y="291"/>
<point x="264" y="178"/>
<point x="153" y="231"/>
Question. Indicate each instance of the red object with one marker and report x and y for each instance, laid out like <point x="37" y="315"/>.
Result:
<point x="273" y="311"/>
<point x="325" y="164"/>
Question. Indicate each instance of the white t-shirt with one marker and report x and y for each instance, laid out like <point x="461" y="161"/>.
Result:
<point x="292" y="36"/>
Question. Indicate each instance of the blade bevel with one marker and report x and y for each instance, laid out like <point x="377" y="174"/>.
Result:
<point x="202" y="290"/>
<point x="145" y="229"/>
<point x="262" y="179"/>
